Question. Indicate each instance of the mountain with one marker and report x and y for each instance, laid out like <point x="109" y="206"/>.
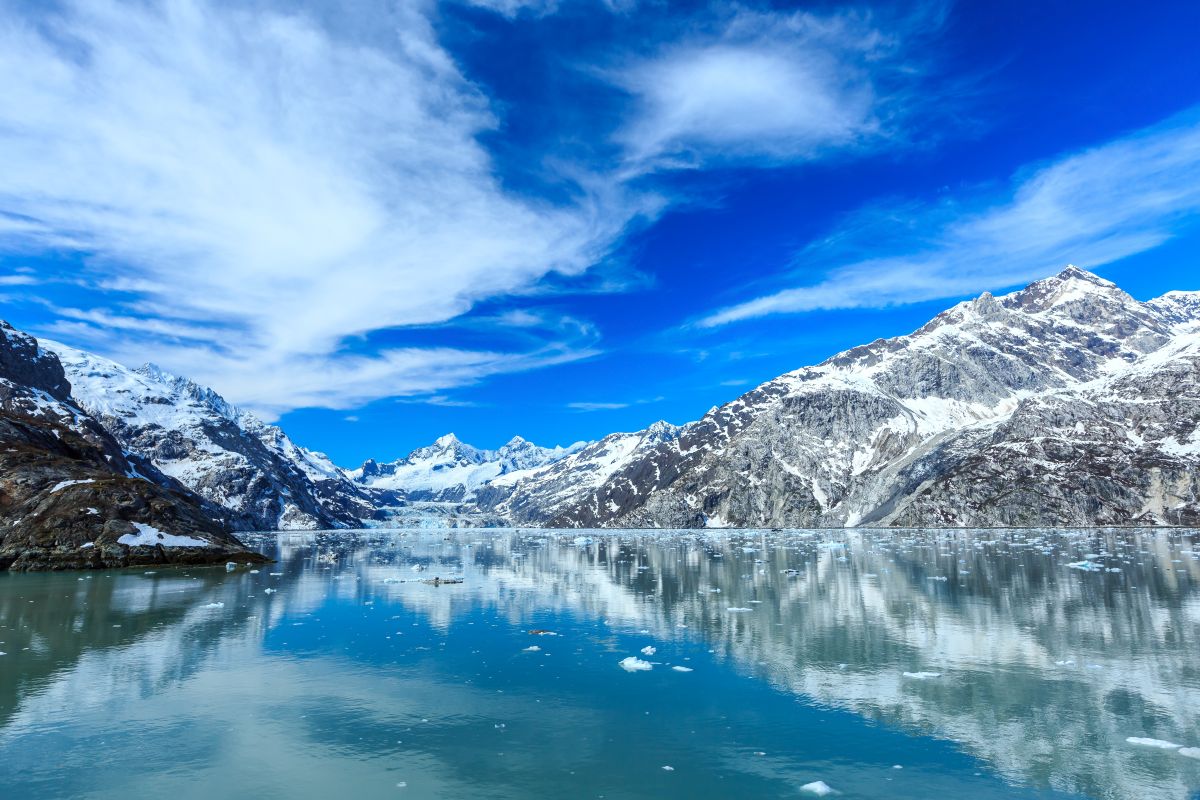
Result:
<point x="450" y="471"/>
<point x="71" y="497"/>
<point x="230" y="457"/>
<point x="1066" y="403"/>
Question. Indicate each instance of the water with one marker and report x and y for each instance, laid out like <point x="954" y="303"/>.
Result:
<point x="355" y="679"/>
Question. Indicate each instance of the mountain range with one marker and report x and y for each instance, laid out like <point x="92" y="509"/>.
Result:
<point x="1067" y="403"/>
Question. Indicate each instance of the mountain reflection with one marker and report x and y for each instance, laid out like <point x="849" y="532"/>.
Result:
<point x="1042" y="669"/>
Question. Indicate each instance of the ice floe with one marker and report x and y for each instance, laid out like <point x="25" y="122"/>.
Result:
<point x="819" y="788"/>
<point x="635" y="664"/>
<point x="1159" y="743"/>
<point x="922" y="676"/>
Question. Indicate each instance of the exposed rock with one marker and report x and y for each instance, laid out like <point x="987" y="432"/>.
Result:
<point x="69" y="494"/>
<point x="1066" y="403"/>
<point x="229" y="456"/>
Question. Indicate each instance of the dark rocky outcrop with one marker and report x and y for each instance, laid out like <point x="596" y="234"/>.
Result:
<point x="69" y="493"/>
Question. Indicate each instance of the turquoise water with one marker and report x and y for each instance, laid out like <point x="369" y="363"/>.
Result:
<point x="352" y="678"/>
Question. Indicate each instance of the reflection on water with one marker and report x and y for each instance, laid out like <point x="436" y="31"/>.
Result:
<point x="344" y="672"/>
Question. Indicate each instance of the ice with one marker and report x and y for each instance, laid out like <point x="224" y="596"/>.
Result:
<point x="533" y="648"/>
<point x="738" y="609"/>
<point x="150" y="535"/>
<point x="668" y="768"/>
<point x="86" y="545"/>
<point x="819" y="788"/>
<point x="214" y="605"/>
<point x="1190" y="752"/>
<point x="1159" y="743"/>
<point x="678" y="668"/>
<point x="269" y="591"/>
<point x="635" y="664"/>
<point x="922" y="676"/>
<point x="230" y="566"/>
<point x="649" y="650"/>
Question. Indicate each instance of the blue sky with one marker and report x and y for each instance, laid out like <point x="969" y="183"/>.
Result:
<point x="561" y="219"/>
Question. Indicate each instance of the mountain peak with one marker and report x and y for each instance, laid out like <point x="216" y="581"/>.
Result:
<point x="448" y="440"/>
<point x="1070" y="285"/>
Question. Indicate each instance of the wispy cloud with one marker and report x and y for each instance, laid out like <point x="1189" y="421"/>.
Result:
<point x="256" y="172"/>
<point x="1089" y="208"/>
<point x="600" y="406"/>
<point x="596" y="406"/>
<point x="772" y="87"/>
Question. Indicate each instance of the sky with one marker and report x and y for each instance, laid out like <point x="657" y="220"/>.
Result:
<point x="379" y="222"/>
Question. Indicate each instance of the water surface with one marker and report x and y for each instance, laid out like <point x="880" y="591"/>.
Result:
<point x="339" y="672"/>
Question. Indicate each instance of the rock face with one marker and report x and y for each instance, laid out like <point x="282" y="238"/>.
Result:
<point x="71" y="498"/>
<point x="1066" y="403"/>
<point x="228" y="456"/>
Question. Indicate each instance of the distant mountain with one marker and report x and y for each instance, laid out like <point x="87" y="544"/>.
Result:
<point x="229" y="456"/>
<point x="1066" y="403"/>
<point x="449" y="471"/>
<point x="71" y="497"/>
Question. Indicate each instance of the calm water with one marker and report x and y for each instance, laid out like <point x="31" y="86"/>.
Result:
<point x="354" y="679"/>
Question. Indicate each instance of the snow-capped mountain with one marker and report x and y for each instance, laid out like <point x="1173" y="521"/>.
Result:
<point x="71" y="497"/>
<point x="229" y="456"/>
<point x="1065" y="403"/>
<point x="450" y="471"/>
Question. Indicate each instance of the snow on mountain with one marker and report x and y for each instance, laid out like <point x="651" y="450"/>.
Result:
<point x="223" y="453"/>
<point x="72" y="497"/>
<point x="953" y="413"/>
<point x="450" y="471"/>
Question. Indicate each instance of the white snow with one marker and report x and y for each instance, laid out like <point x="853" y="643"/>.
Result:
<point x="64" y="484"/>
<point x="149" y="535"/>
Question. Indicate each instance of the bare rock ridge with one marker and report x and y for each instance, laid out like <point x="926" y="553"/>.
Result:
<point x="254" y="471"/>
<point x="1065" y="403"/>
<point x="72" y="498"/>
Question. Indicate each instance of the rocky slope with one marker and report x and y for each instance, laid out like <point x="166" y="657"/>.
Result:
<point x="72" y="498"/>
<point x="229" y="456"/>
<point x="1066" y="403"/>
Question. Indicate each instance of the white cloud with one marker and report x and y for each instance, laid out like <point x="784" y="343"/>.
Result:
<point x="596" y="406"/>
<point x="270" y="192"/>
<point x="1090" y="209"/>
<point x="773" y="87"/>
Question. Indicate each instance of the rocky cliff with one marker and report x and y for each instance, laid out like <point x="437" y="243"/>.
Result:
<point x="72" y="498"/>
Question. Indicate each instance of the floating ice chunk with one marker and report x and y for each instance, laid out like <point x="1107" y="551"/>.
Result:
<point x="533" y="648"/>
<point x="922" y="676"/>
<point x="937" y="578"/>
<point x="3" y="654"/>
<point x="1086" y="566"/>
<point x="1159" y="743"/>
<point x="230" y="566"/>
<point x="583" y="541"/>
<point x="648" y="650"/>
<point x="269" y="591"/>
<point x="668" y="768"/>
<point x="635" y="664"/>
<point x="738" y="609"/>
<point x="1063" y="663"/>
<point x="275" y="574"/>
<point x="678" y="668"/>
<point x="1190" y="752"/>
<point x="253" y="572"/>
<point x="215" y="605"/>
<point x="819" y="788"/>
